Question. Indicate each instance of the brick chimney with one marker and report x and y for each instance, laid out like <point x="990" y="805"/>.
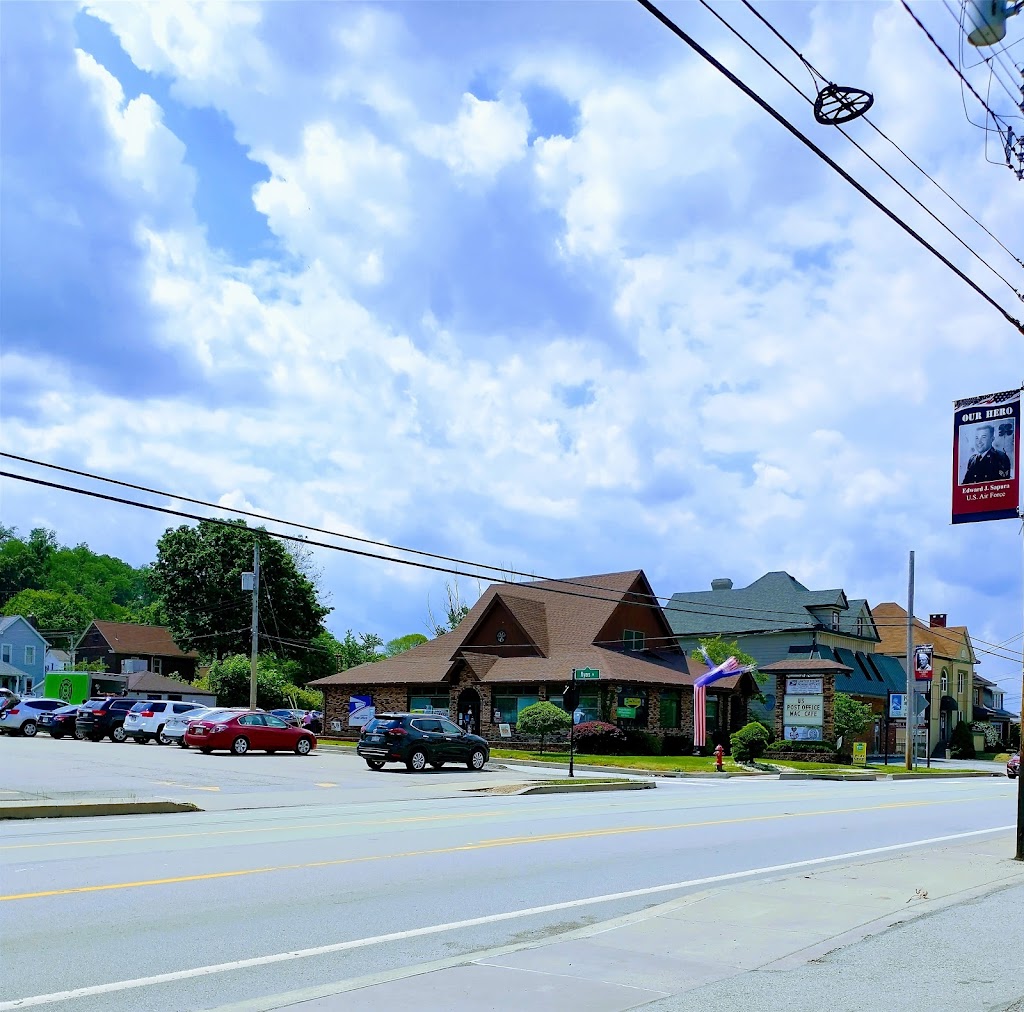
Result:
<point x="936" y="621"/>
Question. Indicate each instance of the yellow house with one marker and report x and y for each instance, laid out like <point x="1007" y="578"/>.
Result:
<point x="952" y="689"/>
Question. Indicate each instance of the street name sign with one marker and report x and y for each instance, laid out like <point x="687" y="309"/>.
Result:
<point x="585" y="674"/>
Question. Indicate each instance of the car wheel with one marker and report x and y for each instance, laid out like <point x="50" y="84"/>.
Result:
<point x="375" y="764"/>
<point x="161" y="737"/>
<point x="118" y="734"/>
<point x="437" y="763"/>
<point x="240" y="745"/>
<point x="477" y="759"/>
<point x="80" y="735"/>
<point x="206" y="751"/>
<point x="304" y="746"/>
<point x="182" y="743"/>
<point x="417" y="762"/>
<point x="29" y="728"/>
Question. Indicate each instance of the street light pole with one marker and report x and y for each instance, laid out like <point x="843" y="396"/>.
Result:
<point x="911" y="697"/>
<point x="255" y="623"/>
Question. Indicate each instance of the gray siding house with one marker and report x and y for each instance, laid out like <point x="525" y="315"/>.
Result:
<point x="22" y="651"/>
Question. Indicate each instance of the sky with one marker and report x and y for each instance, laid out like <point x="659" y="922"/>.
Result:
<point x="530" y="285"/>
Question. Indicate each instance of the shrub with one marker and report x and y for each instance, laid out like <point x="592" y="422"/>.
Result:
<point x="770" y="730"/>
<point x="749" y="742"/>
<point x="599" y="738"/>
<point x="961" y="742"/>
<point x="542" y="719"/>
<point x="641" y="742"/>
<point x="793" y="747"/>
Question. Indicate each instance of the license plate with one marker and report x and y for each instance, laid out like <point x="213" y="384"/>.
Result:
<point x="197" y="730"/>
<point x="375" y="737"/>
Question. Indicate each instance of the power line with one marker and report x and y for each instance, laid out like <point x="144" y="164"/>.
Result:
<point x="779" y="118"/>
<point x="816" y="75"/>
<point x="558" y="586"/>
<point x="866" y="154"/>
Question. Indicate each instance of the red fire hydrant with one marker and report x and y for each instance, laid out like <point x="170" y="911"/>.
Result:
<point x="719" y="753"/>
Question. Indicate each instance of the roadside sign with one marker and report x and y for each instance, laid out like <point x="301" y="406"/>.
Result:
<point x="860" y="754"/>
<point x="625" y="711"/>
<point x="586" y="674"/>
<point x="898" y="705"/>
<point x="506" y="730"/>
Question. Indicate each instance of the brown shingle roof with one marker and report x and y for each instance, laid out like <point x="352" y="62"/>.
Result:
<point x="531" y="615"/>
<point x="429" y="663"/>
<point x="127" y="638"/>
<point x="150" y="681"/>
<point x="891" y="619"/>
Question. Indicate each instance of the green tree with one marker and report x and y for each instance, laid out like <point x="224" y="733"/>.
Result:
<point x="403" y="643"/>
<point x="455" y="610"/>
<point x="229" y="679"/>
<point x="542" y="719"/>
<point x="23" y="562"/>
<point x="851" y="718"/>
<point x="363" y="649"/>
<point x="198" y="574"/>
<point x="53" y="612"/>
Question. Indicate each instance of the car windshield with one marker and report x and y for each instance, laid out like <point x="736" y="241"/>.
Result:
<point x="93" y="704"/>
<point x="214" y="715"/>
<point x="139" y="707"/>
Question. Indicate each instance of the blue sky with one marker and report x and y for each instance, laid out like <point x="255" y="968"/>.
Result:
<point x="526" y="284"/>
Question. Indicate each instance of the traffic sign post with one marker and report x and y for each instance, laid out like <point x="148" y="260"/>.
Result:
<point x="571" y="699"/>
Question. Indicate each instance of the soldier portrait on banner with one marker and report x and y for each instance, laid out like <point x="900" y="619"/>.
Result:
<point x="986" y="452"/>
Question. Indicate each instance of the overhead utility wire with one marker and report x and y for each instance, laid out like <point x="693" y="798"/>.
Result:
<point x="866" y="154"/>
<point x="815" y="73"/>
<point x="778" y="117"/>
<point x="606" y="594"/>
<point x="694" y="609"/>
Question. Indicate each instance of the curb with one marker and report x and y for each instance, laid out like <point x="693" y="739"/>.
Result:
<point x="88" y="809"/>
<point x="631" y="770"/>
<point x="626" y="785"/>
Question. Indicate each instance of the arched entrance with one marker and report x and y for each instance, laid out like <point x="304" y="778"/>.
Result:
<point x="467" y="711"/>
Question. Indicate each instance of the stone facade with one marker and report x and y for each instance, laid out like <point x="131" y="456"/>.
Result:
<point x="828" y="729"/>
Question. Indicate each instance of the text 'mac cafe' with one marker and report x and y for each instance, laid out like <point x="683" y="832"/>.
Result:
<point x="520" y="643"/>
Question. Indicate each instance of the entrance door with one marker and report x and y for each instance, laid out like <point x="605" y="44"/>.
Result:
<point x="469" y="706"/>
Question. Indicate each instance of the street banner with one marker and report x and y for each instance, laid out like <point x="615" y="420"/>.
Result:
<point x="923" y="662"/>
<point x="986" y="451"/>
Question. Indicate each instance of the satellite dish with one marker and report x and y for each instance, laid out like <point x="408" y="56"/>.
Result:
<point x="988" y="21"/>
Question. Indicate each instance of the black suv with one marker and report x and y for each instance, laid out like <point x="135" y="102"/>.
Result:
<point x="101" y="718"/>
<point x="417" y="739"/>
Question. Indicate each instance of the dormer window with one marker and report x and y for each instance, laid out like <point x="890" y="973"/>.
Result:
<point x="632" y="640"/>
<point x="835" y="621"/>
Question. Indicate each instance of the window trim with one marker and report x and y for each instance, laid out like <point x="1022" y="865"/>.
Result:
<point x="633" y="640"/>
<point x="30" y="648"/>
<point x="6" y="652"/>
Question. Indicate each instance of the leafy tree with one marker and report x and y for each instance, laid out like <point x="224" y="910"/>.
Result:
<point x="542" y="719"/>
<point x="455" y="610"/>
<point x="961" y="741"/>
<point x="22" y="562"/>
<point x="229" y="679"/>
<point x="198" y="575"/>
<point x="851" y="718"/>
<point x="403" y="643"/>
<point x="359" y="650"/>
<point x="51" y="612"/>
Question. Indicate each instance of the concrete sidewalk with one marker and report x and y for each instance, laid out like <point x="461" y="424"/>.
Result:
<point x="936" y="927"/>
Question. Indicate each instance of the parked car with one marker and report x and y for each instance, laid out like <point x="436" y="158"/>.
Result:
<point x="247" y="731"/>
<point x="60" y="722"/>
<point x="103" y="718"/>
<point x="177" y="724"/>
<point x="23" y="716"/>
<point x="293" y="717"/>
<point x="146" y="719"/>
<point x="1013" y="766"/>
<point x="417" y="739"/>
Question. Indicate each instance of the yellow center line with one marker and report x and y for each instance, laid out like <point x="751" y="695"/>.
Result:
<point x="512" y="841"/>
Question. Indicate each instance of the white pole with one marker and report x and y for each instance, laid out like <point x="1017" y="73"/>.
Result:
<point x="255" y="623"/>
<point x="911" y="698"/>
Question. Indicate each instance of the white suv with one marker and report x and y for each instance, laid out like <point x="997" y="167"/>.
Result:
<point x="145" y="720"/>
<point x="22" y="717"/>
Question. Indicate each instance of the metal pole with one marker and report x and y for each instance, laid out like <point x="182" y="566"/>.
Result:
<point x="255" y="623"/>
<point x="1019" y="856"/>
<point x="911" y="734"/>
<point x="572" y="727"/>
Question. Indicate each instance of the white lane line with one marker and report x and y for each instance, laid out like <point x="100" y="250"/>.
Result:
<point x="472" y="922"/>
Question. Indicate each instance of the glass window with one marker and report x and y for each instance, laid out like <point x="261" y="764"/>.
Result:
<point x="668" y="713"/>
<point x="835" y="621"/>
<point x="429" y="704"/>
<point x="860" y="626"/>
<point x="5" y="653"/>
<point x="271" y="721"/>
<point x="632" y="640"/>
<point x="961" y="682"/>
<point x="30" y="655"/>
<point x="449" y="728"/>
<point x="428" y="725"/>
<point x="944" y="680"/>
<point x="156" y="665"/>
<point x="510" y="705"/>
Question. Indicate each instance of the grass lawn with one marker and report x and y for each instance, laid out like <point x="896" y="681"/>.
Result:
<point x="654" y="763"/>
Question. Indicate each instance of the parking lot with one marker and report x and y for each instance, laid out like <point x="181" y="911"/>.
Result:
<point x="45" y="767"/>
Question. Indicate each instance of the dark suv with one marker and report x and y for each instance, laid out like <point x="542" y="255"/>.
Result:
<point x="102" y="718"/>
<point x="417" y="739"/>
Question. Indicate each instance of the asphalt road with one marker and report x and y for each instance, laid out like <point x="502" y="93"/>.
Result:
<point x="93" y="902"/>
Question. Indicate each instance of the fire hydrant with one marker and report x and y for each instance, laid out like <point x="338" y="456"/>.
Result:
<point x="719" y="753"/>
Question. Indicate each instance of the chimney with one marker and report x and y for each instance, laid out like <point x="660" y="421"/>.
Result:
<point x="936" y="621"/>
<point x="723" y="584"/>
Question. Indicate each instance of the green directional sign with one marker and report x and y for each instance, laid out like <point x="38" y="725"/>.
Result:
<point x="586" y="674"/>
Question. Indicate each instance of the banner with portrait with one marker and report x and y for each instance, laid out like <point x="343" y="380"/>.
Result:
<point x="923" y="662"/>
<point x="986" y="454"/>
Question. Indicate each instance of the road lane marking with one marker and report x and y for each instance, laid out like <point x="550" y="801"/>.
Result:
<point x="187" y="787"/>
<point x="511" y="841"/>
<point x="325" y="785"/>
<point x="435" y="929"/>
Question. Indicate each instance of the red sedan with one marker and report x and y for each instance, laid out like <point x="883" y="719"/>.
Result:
<point x="242" y="731"/>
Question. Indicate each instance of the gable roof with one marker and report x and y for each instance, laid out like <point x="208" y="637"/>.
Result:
<point x="568" y="614"/>
<point x="128" y="638"/>
<point x="150" y="681"/>
<point x="775" y="602"/>
<point x="9" y="621"/>
<point x="947" y="640"/>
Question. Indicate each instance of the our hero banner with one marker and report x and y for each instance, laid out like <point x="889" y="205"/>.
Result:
<point x="986" y="454"/>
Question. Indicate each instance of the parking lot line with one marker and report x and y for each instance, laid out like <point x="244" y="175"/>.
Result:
<point x="187" y="787"/>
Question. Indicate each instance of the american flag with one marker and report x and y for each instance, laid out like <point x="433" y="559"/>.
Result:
<point x="730" y="666"/>
<point x="700" y="716"/>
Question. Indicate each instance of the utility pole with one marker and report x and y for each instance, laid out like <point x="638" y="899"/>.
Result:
<point x="255" y="622"/>
<point x="911" y="696"/>
<point x="1019" y="856"/>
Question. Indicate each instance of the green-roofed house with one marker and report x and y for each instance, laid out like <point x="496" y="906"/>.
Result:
<point x="777" y="618"/>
